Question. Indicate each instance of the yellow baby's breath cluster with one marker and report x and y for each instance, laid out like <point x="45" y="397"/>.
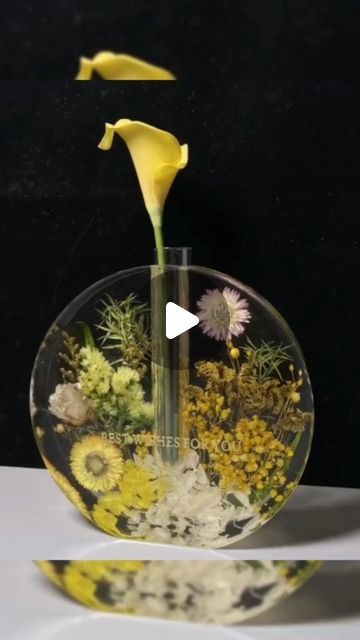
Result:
<point x="250" y="392"/>
<point x="242" y="448"/>
<point x="95" y="374"/>
<point x="248" y="457"/>
<point x="206" y="406"/>
<point x="122" y="378"/>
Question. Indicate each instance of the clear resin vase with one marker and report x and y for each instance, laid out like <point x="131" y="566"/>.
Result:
<point x="193" y="440"/>
<point x="217" y="592"/>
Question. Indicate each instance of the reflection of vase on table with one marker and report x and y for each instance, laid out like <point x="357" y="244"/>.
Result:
<point x="218" y="592"/>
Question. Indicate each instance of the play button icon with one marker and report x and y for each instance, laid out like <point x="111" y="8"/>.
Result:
<point x="178" y="320"/>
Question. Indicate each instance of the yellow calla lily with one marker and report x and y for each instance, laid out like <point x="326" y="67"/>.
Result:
<point x="120" y="66"/>
<point x="157" y="156"/>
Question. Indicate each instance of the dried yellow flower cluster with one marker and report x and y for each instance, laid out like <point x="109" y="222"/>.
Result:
<point x="248" y="392"/>
<point x="246" y="458"/>
<point x="242" y="449"/>
<point x="138" y="488"/>
<point x="112" y="392"/>
<point x="95" y="373"/>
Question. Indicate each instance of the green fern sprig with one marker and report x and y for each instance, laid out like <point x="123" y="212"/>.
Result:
<point x="124" y="329"/>
<point x="268" y="358"/>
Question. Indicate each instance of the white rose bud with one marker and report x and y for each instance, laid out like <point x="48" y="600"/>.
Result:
<point x="69" y="404"/>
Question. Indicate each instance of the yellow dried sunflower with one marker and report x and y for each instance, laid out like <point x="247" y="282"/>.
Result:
<point x="96" y="463"/>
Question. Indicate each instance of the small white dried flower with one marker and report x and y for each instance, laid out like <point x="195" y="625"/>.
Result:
<point x="68" y="403"/>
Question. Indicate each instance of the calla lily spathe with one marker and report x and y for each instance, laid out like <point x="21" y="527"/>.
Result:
<point x="120" y="66"/>
<point x="157" y="156"/>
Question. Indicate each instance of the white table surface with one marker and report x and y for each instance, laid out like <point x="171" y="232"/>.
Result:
<point x="38" y="522"/>
<point x="326" y="608"/>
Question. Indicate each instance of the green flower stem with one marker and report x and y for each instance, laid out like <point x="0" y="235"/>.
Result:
<point x="165" y="423"/>
<point x="88" y="336"/>
<point x="159" y="243"/>
<point x="295" y="443"/>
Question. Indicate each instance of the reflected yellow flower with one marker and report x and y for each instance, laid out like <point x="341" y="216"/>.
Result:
<point x="82" y="579"/>
<point x="104" y="569"/>
<point x="157" y="156"/>
<point x="119" y="66"/>
<point x="51" y="572"/>
<point x="80" y="585"/>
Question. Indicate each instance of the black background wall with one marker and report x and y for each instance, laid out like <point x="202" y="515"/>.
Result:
<point x="214" y="39"/>
<point x="271" y="195"/>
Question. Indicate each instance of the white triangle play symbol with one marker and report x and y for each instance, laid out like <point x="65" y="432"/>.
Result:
<point x="178" y="320"/>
